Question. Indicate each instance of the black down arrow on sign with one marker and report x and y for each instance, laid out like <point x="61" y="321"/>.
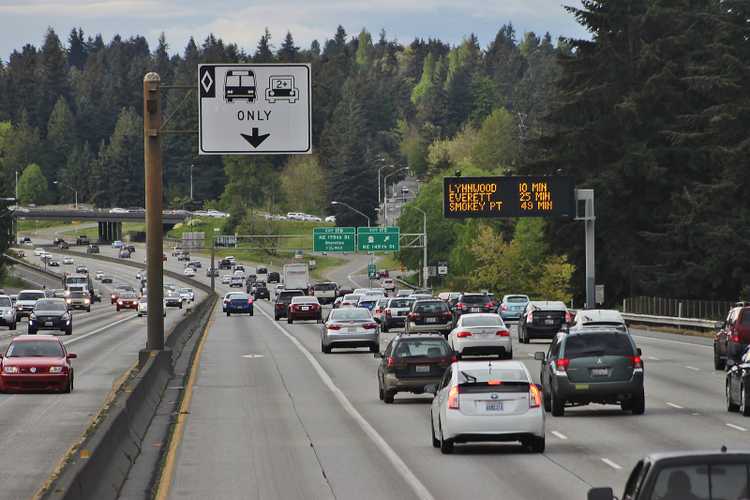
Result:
<point x="255" y="139"/>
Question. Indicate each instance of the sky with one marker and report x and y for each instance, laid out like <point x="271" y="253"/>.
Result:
<point x="243" y="21"/>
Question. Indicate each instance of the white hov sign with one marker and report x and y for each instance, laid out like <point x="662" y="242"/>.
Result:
<point x="254" y="109"/>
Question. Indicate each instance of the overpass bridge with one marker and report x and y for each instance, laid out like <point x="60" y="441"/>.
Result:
<point x="109" y="220"/>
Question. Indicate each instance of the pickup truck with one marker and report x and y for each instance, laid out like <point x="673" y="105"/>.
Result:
<point x="708" y="475"/>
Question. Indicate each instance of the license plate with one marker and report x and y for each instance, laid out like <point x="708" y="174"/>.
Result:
<point x="422" y="368"/>
<point x="494" y="406"/>
<point x="475" y="309"/>
<point x="599" y="372"/>
<point x="305" y="308"/>
<point x="582" y="387"/>
<point x="48" y="323"/>
<point x="350" y="329"/>
<point x="430" y="320"/>
<point x="549" y="321"/>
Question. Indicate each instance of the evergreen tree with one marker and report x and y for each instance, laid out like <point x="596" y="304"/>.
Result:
<point x="76" y="49"/>
<point x="61" y="139"/>
<point x="52" y="77"/>
<point x="264" y="51"/>
<point x="288" y="51"/>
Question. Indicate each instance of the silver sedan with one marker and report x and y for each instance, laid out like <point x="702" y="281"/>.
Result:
<point x="350" y="327"/>
<point x="481" y="334"/>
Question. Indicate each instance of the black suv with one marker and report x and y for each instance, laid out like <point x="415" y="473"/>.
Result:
<point x="542" y="320"/>
<point x="92" y="248"/>
<point x="410" y="362"/>
<point x="283" y="299"/>
<point x="597" y="365"/>
<point x="259" y="290"/>
<point x="274" y="277"/>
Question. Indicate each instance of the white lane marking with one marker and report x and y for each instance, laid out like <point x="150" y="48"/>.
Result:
<point x="675" y="406"/>
<point x="611" y="464"/>
<point x="695" y="414"/>
<point x="94" y="332"/>
<point x="653" y="358"/>
<point x="559" y="435"/>
<point x="669" y="341"/>
<point x="420" y="490"/>
<point x="737" y="427"/>
<point x="692" y="368"/>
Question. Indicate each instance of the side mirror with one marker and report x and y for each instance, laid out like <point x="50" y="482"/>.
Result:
<point x="432" y="388"/>
<point x="600" y="494"/>
<point x="72" y="355"/>
<point x="539" y="356"/>
<point x="377" y="355"/>
<point x="638" y="351"/>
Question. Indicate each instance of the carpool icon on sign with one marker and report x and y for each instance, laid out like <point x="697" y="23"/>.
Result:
<point x="281" y="88"/>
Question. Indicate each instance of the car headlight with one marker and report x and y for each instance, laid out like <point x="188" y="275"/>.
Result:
<point x="10" y="369"/>
<point x="119" y="302"/>
<point x="19" y="308"/>
<point x="32" y="317"/>
<point x="86" y="301"/>
<point x="55" y="369"/>
<point x="66" y="316"/>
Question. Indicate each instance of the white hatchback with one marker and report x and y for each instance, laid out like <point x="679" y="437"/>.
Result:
<point x="189" y="271"/>
<point x="481" y="334"/>
<point x="477" y="401"/>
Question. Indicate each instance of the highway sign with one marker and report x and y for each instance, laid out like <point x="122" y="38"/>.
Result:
<point x="334" y="239"/>
<point x="551" y="196"/>
<point x="250" y="109"/>
<point x="372" y="271"/>
<point x="378" y="239"/>
<point x="442" y="268"/>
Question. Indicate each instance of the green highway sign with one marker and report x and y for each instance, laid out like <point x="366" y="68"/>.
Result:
<point x="334" y="239"/>
<point x="378" y="239"/>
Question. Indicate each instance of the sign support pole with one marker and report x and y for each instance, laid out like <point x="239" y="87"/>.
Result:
<point x="154" y="228"/>
<point x="589" y="219"/>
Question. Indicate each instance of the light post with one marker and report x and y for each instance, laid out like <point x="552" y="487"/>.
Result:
<point x="352" y="209"/>
<point x="74" y="191"/>
<point x="385" y="202"/>
<point x="191" y="182"/>
<point x="380" y="169"/>
<point x="424" y="247"/>
<point x="16" y="184"/>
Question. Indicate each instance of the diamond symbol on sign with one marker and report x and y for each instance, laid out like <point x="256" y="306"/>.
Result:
<point x="207" y="81"/>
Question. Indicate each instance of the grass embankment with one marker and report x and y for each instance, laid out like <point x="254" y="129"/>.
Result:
<point x="12" y="282"/>
<point x="28" y="225"/>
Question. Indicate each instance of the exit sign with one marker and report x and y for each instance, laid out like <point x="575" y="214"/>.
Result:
<point x="378" y="239"/>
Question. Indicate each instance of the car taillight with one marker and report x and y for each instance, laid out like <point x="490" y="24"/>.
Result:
<point x="390" y="362"/>
<point x="119" y="302"/>
<point x="370" y="326"/>
<point x="114" y="296"/>
<point x="454" y="358"/>
<point x="503" y="333"/>
<point x="453" y="400"/>
<point x="735" y="338"/>
<point x="530" y="317"/>
<point x="279" y="306"/>
<point x="388" y="312"/>
<point x="447" y="314"/>
<point x="637" y="361"/>
<point x="459" y="306"/>
<point x="333" y="326"/>
<point x="462" y="335"/>
<point x="488" y="306"/>
<point x="504" y="307"/>
<point x="562" y="364"/>
<point x="378" y="311"/>
<point x="413" y="316"/>
<point x="535" y="396"/>
<point x="568" y="317"/>
<point x="250" y="301"/>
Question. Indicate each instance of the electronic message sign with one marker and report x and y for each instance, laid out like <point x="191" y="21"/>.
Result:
<point x="530" y="196"/>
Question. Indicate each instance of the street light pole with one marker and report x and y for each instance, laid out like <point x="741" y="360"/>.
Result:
<point x="191" y="182"/>
<point x="63" y="185"/>
<point x="424" y="248"/>
<point x="352" y="209"/>
<point x="16" y="185"/>
<point x="385" y="200"/>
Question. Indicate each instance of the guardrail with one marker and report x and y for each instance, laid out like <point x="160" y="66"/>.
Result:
<point x="687" y="323"/>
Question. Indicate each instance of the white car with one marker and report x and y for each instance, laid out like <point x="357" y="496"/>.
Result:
<point x="38" y="252"/>
<point x="389" y="284"/>
<point x="117" y="210"/>
<point x="187" y="294"/>
<point x="331" y="218"/>
<point x="99" y="275"/>
<point x="599" y="317"/>
<point x="480" y="401"/>
<point x="481" y="333"/>
<point x="189" y="272"/>
<point x="143" y="307"/>
<point x="226" y="279"/>
<point x="68" y="260"/>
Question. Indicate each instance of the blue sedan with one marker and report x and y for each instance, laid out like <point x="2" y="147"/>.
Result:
<point x="512" y="307"/>
<point x="239" y="303"/>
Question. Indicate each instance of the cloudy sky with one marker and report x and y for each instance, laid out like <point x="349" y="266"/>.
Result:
<point x="243" y="21"/>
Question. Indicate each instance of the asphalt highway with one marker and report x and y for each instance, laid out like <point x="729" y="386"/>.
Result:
<point x="273" y="417"/>
<point x="37" y="429"/>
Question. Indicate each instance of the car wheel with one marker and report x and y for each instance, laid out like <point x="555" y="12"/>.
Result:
<point x="536" y="444"/>
<point x="180" y="306"/>
<point x="509" y="355"/>
<point x="638" y="403"/>
<point x="326" y="349"/>
<point x="140" y="315"/>
<point x="558" y="405"/>
<point x="118" y="309"/>
<point x="68" y="386"/>
<point x="446" y="445"/>
<point x="546" y="400"/>
<point x="12" y="326"/>
<point x="275" y="317"/>
<point x="384" y="328"/>
<point x="388" y="396"/>
<point x="719" y="364"/>
<point x="744" y="403"/>
<point x="289" y="320"/>
<point x="731" y="406"/>
<point x="31" y="332"/>
<point x="380" y="391"/>
<point x="88" y="309"/>
<point x="375" y="348"/>
<point x="69" y="331"/>
<point x="435" y="441"/>
<point x="228" y="313"/>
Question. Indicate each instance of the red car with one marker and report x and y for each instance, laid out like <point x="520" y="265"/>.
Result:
<point x="36" y="363"/>
<point x="127" y="300"/>
<point x="733" y="337"/>
<point x="304" y="308"/>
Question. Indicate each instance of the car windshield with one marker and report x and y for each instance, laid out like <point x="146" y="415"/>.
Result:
<point x="238" y="297"/>
<point x="598" y="344"/>
<point x="127" y="295"/>
<point x="325" y="286"/>
<point x="50" y="305"/>
<point x="482" y="321"/>
<point x="35" y="349"/>
<point x="78" y="295"/>
<point x="430" y="307"/>
<point x="401" y="303"/>
<point x="704" y="481"/>
<point x="354" y="314"/>
<point x="5" y="302"/>
<point x="304" y="300"/>
<point x="413" y="348"/>
<point x="518" y="299"/>
<point x="475" y="299"/>
<point x="352" y="297"/>
<point x="485" y="375"/>
<point x="30" y="295"/>
<point x="186" y="290"/>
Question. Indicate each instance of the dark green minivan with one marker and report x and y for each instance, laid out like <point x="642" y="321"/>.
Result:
<point x="597" y="365"/>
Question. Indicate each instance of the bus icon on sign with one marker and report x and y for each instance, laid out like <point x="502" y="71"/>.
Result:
<point x="281" y="88"/>
<point x="239" y="84"/>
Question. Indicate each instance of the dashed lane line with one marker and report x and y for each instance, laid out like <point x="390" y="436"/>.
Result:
<point x="675" y="406"/>
<point x="736" y="427"/>
<point x="559" y="435"/>
<point x="612" y="464"/>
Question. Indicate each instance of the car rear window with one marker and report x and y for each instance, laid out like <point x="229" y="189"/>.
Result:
<point x="30" y="296"/>
<point x="326" y="287"/>
<point x="352" y="297"/>
<point x="38" y="349"/>
<point x="5" y="302"/>
<point x="430" y="307"/>
<point x="401" y="303"/>
<point x="238" y="297"/>
<point x="412" y="348"/>
<point x="353" y="314"/>
<point x="485" y="375"/>
<point x="704" y="481"/>
<point x="50" y="305"/>
<point x="475" y="299"/>
<point x="481" y="321"/>
<point x="289" y="295"/>
<point x="304" y="300"/>
<point x="745" y="317"/>
<point x="598" y="344"/>
<point x="517" y="300"/>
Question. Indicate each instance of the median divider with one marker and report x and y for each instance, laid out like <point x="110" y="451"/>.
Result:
<point x="98" y="465"/>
